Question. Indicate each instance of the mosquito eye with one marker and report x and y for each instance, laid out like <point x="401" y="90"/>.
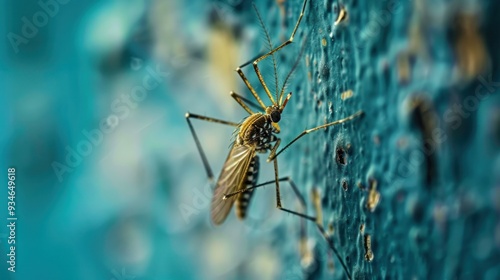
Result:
<point x="275" y="116"/>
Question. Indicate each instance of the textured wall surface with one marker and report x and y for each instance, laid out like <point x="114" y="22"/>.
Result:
<point x="426" y="75"/>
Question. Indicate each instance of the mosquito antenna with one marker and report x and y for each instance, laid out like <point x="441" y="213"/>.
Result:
<point x="270" y="45"/>
<point x="296" y="63"/>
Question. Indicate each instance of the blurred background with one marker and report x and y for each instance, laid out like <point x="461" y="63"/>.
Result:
<point x="109" y="184"/>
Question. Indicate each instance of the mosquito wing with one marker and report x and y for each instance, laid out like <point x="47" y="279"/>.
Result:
<point x="230" y="180"/>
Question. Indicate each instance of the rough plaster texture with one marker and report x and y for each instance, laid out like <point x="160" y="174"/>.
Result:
<point x="426" y="75"/>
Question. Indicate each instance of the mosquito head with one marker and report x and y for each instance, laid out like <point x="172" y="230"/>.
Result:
<point x="274" y="112"/>
<point x="275" y="116"/>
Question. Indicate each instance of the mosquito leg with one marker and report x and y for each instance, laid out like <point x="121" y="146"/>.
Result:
<point x="273" y="150"/>
<point x="209" y="119"/>
<point x="244" y="102"/>
<point x="226" y="196"/>
<point x="278" y="197"/>
<point x="249" y="86"/>
<point x="208" y="169"/>
<point x="302" y="201"/>
<point x="271" y="52"/>
<point x="275" y="181"/>
<point x="261" y="57"/>
<point x="289" y="41"/>
<point x="307" y="131"/>
<point x="319" y="226"/>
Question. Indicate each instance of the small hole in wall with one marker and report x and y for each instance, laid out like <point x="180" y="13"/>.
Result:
<point x="341" y="156"/>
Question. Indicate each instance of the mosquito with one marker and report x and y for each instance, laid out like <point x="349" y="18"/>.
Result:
<point x="255" y="135"/>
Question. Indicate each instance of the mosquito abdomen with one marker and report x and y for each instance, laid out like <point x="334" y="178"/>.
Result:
<point x="243" y="199"/>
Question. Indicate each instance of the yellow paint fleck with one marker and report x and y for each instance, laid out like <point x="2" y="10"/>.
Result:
<point x="331" y="229"/>
<point x="316" y="199"/>
<point x="373" y="196"/>
<point x="331" y="265"/>
<point x="346" y="94"/>
<point x="342" y="16"/>
<point x="473" y="58"/>
<point x="307" y="256"/>
<point x="368" y="248"/>
<point x="403" y="67"/>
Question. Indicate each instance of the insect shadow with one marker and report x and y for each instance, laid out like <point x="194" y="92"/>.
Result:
<point x="257" y="134"/>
